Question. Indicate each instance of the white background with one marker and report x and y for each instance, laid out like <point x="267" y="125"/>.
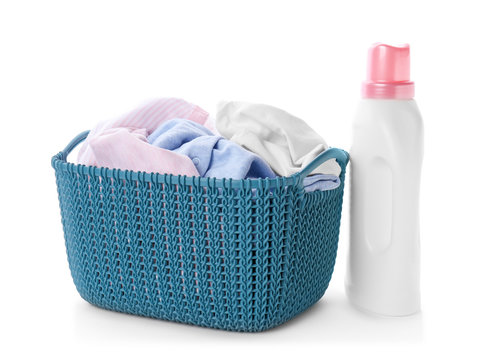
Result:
<point x="64" y="66"/>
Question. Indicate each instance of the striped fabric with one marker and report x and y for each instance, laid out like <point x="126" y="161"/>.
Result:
<point x="146" y="117"/>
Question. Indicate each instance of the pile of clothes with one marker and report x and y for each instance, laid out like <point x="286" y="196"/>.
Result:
<point x="245" y="141"/>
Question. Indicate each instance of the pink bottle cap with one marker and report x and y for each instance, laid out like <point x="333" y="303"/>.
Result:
<point x="388" y="73"/>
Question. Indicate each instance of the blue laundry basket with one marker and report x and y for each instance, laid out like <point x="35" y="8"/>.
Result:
<point x="243" y="255"/>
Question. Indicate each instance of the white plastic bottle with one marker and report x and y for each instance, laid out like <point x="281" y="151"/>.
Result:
<point x="386" y="158"/>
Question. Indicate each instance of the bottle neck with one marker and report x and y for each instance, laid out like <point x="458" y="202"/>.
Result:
<point x="383" y="90"/>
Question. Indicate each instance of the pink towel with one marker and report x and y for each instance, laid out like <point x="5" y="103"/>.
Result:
<point x="122" y="143"/>
<point x="128" y="149"/>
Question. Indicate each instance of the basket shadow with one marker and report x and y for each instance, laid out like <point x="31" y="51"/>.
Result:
<point x="332" y="319"/>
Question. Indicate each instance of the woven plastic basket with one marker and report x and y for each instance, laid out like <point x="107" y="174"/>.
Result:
<point x="244" y="255"/>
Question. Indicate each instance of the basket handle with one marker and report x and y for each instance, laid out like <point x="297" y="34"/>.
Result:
<point x="73" y="143"/>
<point x="341" y="156"/>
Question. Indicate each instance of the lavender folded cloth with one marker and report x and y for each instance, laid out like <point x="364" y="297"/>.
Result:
<point x="321" y="182"/>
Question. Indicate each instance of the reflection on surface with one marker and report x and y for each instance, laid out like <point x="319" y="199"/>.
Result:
<point x="332" y="319"/>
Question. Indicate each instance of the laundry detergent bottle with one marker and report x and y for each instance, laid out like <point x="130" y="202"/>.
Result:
<point x="386" y="157"/>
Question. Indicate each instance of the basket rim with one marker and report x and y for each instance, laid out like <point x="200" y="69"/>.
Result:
<point x="59" y="163"/>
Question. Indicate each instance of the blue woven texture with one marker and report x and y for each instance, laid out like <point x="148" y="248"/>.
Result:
<point x="237" y="258"/>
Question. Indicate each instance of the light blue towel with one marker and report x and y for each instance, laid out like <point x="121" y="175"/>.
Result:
<point x="215" y="156"/>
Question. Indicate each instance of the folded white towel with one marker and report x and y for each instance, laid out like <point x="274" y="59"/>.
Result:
<point x="286" y="142"/>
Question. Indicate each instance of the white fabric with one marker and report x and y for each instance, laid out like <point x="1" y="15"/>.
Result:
<point x="286" y="142"/>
